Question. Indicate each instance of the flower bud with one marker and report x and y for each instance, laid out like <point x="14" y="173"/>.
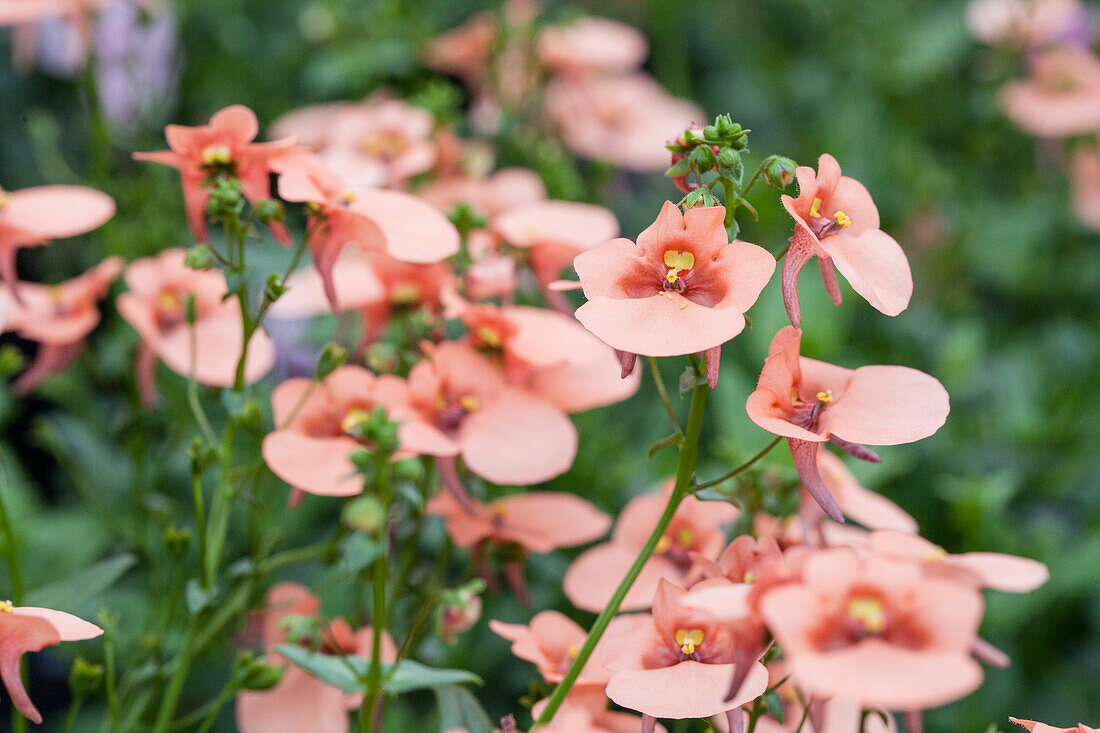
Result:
<point x="703" y="158"/>
<point x="460" y="609"/>
<point x="176" y="541"/>
<point x="252" y="673"/>
<point x="85" y="677"/>
<point x="409" y="469"/>
<point x="331" y="359"/>
<point x="275" y="287"/>
<point x="199" y="257"/>
<point x="382" y="357"/>
<point x="364" y="513"/>
<point x="201" y="454"/>
<point x="269" y="210"/>
<point x="225" y="196"/>
<point x="11" y="360"/>
<point x="779" y="172"/>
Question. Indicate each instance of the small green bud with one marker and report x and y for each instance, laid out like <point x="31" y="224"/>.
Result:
<point x="189" y="308"/>
<point x="331" y="359"/>
<point x="693" y="199"/>
<point x="725" y="127"/>
<point x="11" y="360"/>
<point x="85" y="677"/>
<point x="410" y="469"/>
<point x="252" y="673"/>
<point x="275" y="287"/>
<point x="364" y="513"/>
<point x="728" y="160"/>
<point x="383" y="358"/>
<point x="362" y="459"/>
<point x="270" y="210"/>
<point x="176" y="541"/>
<point x="779" y="172"/>
<point x="202" y="455"/>
<point x="199" y="257"/>
<point x="703" y="158"/>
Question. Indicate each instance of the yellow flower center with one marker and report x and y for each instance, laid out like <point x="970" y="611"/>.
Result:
<point x="572" y="652"/>
<point x="937" y="555"/>
<point x="815" y="208"/>
<point x="405" y="294"/>
<point x="6" y="607"/>
<point x="795" y="401"/>
<point x="685" y="538"/>
<point x="663" y="545"/>
<point x="387" y="144"/>
<point x="677" y="262"/>
<point x="354" y="419"/>
<point x="216" y="155"/>
<point x="842" y="219"/>
<point x="689" y="639"/>
<point x="168" y="302"/>
<point x="468" y="402"/>
<point x="349" y="196"/>
<point x="826" y="396"/>
<point x="5" y="198"/>
<point x="490" y="336"/>
<point x="750" y="577"/>
<point x="868" y="612"/>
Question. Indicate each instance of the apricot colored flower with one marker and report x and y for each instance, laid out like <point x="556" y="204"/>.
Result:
<point x="540" y="521"/>
<point x="696" y="528"/>
<point x="30" y="629"/>
<point x="592" y="45"/>
<point x="876" y="631"/>
<point x="155" y="307"/>
<point x="677" y="663"/>
<point x="1030" y="23"/>
<point x="551" y="642"/>
<point x="397" y="223"/>
<point x="837" y="222"/>
<point x="1034" y="727"/>
<point x="33" y="216"/>
<point x="624" y="120"/>
<point x="225" y="145"/>
<point x="835" y="715"/>
<point x="488" y="195"/>
<point x="1006" y="573"/>
<point x="1085" y="177"/>
<point x="58" y="317"/>
<point x="1062" y="96"/>
<point x="301" y="701"/>
<point x="504" y="434"/>
<point x="810" y="402"/>
<point x="315" y="429"/>
<point x="464" y="50"/>
<point x="585" y="711"/>
<point x="683" y="288"/>
<point x="872" y="510"/>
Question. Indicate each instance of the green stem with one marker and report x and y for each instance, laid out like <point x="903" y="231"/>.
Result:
<point x="74" y="709"/>
<point x="11" y="548"/>
<point x="747" y="464"/>
<point x="200" y="521"/>
<point x="759" y="170"/>
<point x="226" y="695"/>
<point x="193" y="390"/>
<point x="663" y="393"/>
<point x="378" y="615"/>
<point x="179" y="677"/>
<point x="109" y="626"/>
<point x="223" y="498"/>
<point x="684" y="470"/>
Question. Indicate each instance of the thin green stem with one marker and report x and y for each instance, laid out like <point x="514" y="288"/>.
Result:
<point x="763" y="164"/>
<point x="783" y="254"/>
<point x="744" y="466"/>
<point x="200" y="521"/>
<point x="74" y="709"/>
<point x="685" y="468"/>
<point x="11" y="547"/>
<point x="225" y="696"/>
<point x="378" y="615"/>
<point x="108" y="622"/>
<point x="222" y="503"/>
<point x="179" y="677"/>
<point x="193" y="390"/>
<point x="663" y="393"/>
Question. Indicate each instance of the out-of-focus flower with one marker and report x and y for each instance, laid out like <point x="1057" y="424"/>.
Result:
<point x="1085" y="177"/>
<point x="489" y="195"/>
<point x="837" y="222"/>
<point x="696" y="529"/>
<point x="301" y="701"/>
<point x="156" y="307"/>
<point x="223" y="146"/>
<point x="624" y="120"/>
<point x="539" y="521"/>
<point x="585" y="711"/>
<point x="872" y="510"/>
<point x="682" y="289"/>
<point x="835" y="715"/>
<point x="1062" y="96"/>
<point x="810" y="402"/>
<point x="377" y="142"/>
<point x="399" y="224"/>
<point x="464" y="50"/>
<point x="58" y="317"/>
<point x="29" y="629"/>
<point x="551" y="642"/>
<point x="677" y="663"/>
<point x="34" y="216"/>
<point x="1034" y="727"/>
<point x="876" y="631"/>
<point x="317" y="429"/>
<point x="459" y="610"/>
<point x="592" y="45"/>
<point x="1029" y="23"/>
<point x="54" y="33"/>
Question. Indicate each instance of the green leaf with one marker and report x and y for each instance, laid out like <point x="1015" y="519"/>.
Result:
<point x="409" y="675"/>
<point x="712" y="495"/>
<point x="81" y="587"/>
<point x="689" y="380"/>
<point x="674" y="439"/>
<point x="327" y="667"/>
<point x="774" y="704"/>
<point x="199" y="599"/>
<point x="357" y="551"/>
<point x="458" y="708"/>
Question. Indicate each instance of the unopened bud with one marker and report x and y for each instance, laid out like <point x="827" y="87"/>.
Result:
<point x="252" y="673"/>
<point x="11" y="360"/>
<point x="364" y="513"/>
<point x="382" y="357"/>
<point x="703" y="158"/>
<point x="460" y="609"/>
<point x="779" y="172"/>
<point x="269" y="210"/>
<point x="199" y="257"/>
<point x="85" y="677"/>
<point x="331" y="359"/>
<point x="176" y="541"/>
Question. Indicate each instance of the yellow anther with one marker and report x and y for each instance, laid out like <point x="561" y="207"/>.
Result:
<point x="5" y="198"/>
<point x="355" y="418"/>
<point x="572" y="652"/>
<point x="750" y="577"/>
<point x="826" y="396"/>
<point x="6" y="607"/>
<point x="689" y="639"/>
<point x="842" y="219"/>
<point x="348" y="196"/>
<point x="937" y="555"/>
<point x="490" y="336"/>
<point x="869" y="612"/>
<point x="683" y="305"/>
<point x="815" y="209"/>
<point x="795" y="401"/>
<point x="500" y="510"/>
<point x="217" y="155"/>
<point x="685" y="538"/>
<point x="671" y="276"/>
<point x="168" y="302"/>
<point x="669" y="294"/>
<point x="663" y="545"/>
<point x="468" y="402"/>
<point x="405" y="294"/>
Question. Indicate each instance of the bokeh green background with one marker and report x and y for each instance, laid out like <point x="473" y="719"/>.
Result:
<point x="1006" y="310"/>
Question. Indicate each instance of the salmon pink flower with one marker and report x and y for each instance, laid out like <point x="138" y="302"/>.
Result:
<point x="696" y="530"/>
<point x="677" y="663"/>
<point x="301" y="701"/>
<point x="876" y="631"/>
<point x="872" y="510"/>
<point x="393" y="222"/>
<point x="585" y="711"/>
<point x="552" y="641"/>
<point x="223" y="146"/>
<point x="1062" y="96"/>
<point x="488" y="195"/>
<point x="1029" y="23"/>
<point x="539" y="521"/>
<point x="1034" y="727"/>
<point x="33" y="216"/>
<point x="809" y="403"/>
<point x="837" y="222"/>
<point x="29" y="629"/>
<point x="683" y="288"/>
<point x="592" y="46"/>
<point x="624" y="120"/>
<point x="464" y="50"/>
<point x="156" y="307"/>
<point x="58" y="317"/>
<point x="835" y="715"/>
<point x="316" y="429"/>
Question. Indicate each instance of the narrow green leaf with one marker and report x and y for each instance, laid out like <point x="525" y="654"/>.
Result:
<point x="409" y="675"/>
<point x="83" y="586"/>
<point x="458" y="708"/>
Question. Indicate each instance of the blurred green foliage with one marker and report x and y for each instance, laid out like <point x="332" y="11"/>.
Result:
<point x="1006" y="311"/>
